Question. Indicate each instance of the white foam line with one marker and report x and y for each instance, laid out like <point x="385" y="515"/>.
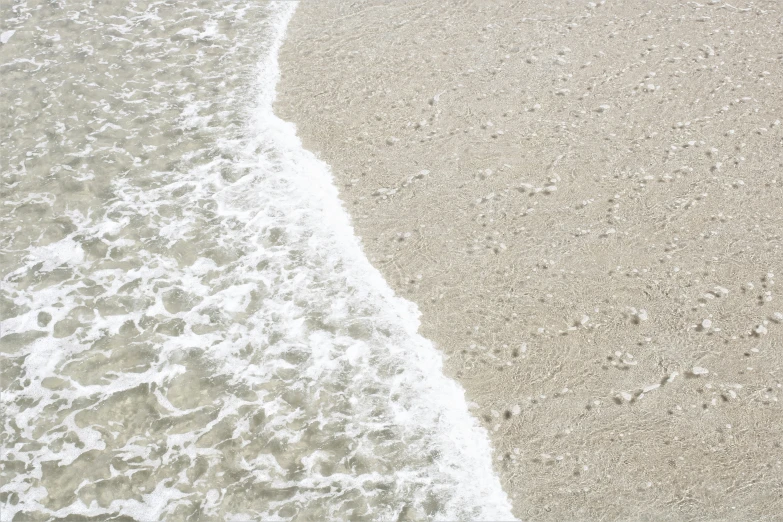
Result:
<point x="464" y="445"/>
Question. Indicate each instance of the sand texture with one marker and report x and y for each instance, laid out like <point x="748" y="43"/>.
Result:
<point x="586" y="202"/>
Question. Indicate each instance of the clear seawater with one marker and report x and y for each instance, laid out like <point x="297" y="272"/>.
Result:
<point x="190" y="329"/>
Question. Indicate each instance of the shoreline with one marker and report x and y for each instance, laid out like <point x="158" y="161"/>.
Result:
<point x="585" y="210"/>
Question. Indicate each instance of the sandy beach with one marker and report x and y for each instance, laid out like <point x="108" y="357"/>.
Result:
<point x="585" y="200"/>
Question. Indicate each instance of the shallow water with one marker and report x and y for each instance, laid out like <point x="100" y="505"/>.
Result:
<point x="189" y="327"/>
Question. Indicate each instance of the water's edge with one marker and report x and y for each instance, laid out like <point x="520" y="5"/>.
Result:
<point x="475" y="448"/>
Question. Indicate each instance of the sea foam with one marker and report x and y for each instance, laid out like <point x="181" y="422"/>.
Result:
<point x="210" y="339"/>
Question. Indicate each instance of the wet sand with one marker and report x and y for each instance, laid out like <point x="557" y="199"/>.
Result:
<point x="585" y="200"/>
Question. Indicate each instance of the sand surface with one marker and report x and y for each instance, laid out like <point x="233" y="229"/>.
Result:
<point x="586" y="202"/>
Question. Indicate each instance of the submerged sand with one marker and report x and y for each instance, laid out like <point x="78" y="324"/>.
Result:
<point x="585" y="200"/>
